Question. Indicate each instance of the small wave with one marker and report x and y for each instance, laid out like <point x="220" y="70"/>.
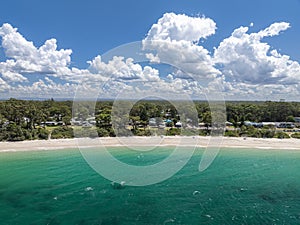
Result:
<point x="116" y="185"/>
<point x="88" y="189"/>
<point x="242" y="189"/>
<point x="195" y="193"/>
<point x="168" y="221"/>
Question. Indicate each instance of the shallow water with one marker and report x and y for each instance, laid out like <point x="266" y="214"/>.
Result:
<point x="242" y="186"/>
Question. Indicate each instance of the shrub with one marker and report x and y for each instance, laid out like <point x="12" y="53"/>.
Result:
<point x="42" y="134"/>
<point x="14" y="133"/>
<point x="86" y="132"/>
<point x="255" y="134"/>
<point x="296" y="135"/>
<point x="102" y="132"/>
<point x="281" y="135"/>
<point x="231" y="133"/>
<point x="250" y="131"/>
<point x="266" y="133"/>
<point x="62" y="132"/>
<point x="111" y="132"/>
<point x="173" y="132"/>
<point x="2" y="134"/>
<point x="203" y="132"/>
<point x="28" y="135"/>
<point x="143" y="132"/>
<point x="189" y="132"/>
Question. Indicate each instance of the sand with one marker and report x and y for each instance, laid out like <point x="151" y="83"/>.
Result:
<point x="223" y="142"/>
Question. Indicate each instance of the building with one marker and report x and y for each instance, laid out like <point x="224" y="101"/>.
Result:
<point x="297" y="119"/>
<point x="178" y="124"/>
<point x="152" y="122"/>
<point x="286" y="125"/>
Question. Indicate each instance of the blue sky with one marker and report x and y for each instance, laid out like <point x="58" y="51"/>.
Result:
<point x="90" y="28"/>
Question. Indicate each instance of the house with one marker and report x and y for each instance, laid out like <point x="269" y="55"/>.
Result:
<point x="152" y="122"/>
<point x="289" y="125"/>
<point x="161" y="125"/>
<point x="297" y="119"/>
<point x="75" y="122"/>
<point x="269" y="124"/>
<point x="254" y="124"/>
<point x="178" y="124"/>
<point x="61" y="123"/>
<point x="228" y="123"/>
<point x="86" y="124"/>
<point x="51" y="123"/>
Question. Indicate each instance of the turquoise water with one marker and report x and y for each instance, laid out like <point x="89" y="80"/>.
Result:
<point x="240" y="187"/>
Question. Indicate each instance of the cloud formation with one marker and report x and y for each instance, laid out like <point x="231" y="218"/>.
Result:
<point x="120" y="68"/>
<point x="24" y="57"/>
<point x="246" y="58"/>
<point x="180" y="27"/>
<point x="174" y="39"/>
<point x="243" y="65"/>
<point x="24" y="60"/>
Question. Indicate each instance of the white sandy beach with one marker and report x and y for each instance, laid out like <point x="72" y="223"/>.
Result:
<point x="223" y="142"/>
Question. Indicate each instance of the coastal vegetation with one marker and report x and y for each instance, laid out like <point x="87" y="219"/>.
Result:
<point x="48" y="119"/>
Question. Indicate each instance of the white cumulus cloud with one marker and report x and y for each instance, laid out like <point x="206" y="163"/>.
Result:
<point x="25" y="58"/>
<point x="120" y="68"/>
<point x="246" y="58"/>
<point x="178" y="27"/>
<point x="242" y="65"/>
<point x="3" y="85"/>
<point x="12" y="76"/>
<point x="174" y="40"/>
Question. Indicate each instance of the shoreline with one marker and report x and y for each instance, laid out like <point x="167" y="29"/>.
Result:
<point x="189" y="141"/>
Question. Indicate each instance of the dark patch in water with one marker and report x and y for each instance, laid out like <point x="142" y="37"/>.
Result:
<point x="112" y="221"/>
<point x="43" y="207"/>
<point x="281" y="196"/>
<point x="48" y="196"/>
<point x="82" y="222"/>
<point x="290" y="193"/>
<point x="15" y="201"/>
<point x="268" y="198"/>
<point x="52" y="221"/>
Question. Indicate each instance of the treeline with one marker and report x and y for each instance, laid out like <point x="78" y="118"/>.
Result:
<point x="21" y="120"/>
<point x="262" y="111"/>
<point x="29" y="120"/>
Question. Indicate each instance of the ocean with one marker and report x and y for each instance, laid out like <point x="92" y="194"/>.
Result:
<point x="242" y="186"/>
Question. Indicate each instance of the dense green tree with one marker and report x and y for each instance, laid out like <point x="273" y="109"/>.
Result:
<point x="62" y="132"/>
<point x="103" y="118"/>
<point x="206" y="119"/>
<point x="14" y="133"/>
<point x="290" y="119"/>
<point x="20" y="119"/>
